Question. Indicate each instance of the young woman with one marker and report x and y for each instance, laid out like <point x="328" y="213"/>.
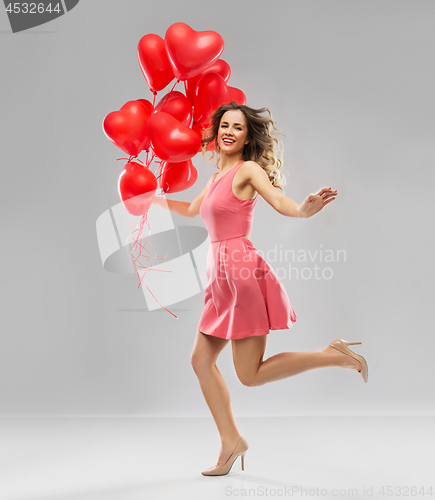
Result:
<point x="244" y="299"/>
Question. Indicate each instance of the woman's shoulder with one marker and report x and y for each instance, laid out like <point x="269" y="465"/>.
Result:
<point x="250" y="168"/>
<point x="251" y="165"/>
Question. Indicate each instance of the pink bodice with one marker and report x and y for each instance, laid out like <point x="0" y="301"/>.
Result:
<point x="225" y="215"/>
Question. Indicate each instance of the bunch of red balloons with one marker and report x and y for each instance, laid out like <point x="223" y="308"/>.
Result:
<point x="170" y="130"/>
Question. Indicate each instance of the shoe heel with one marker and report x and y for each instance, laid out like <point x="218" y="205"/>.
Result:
<point x="343" y="346"/>
<point x="243" y="460"/>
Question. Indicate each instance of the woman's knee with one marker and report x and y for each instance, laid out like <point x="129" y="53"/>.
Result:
<point x="205" y="352"/>
<point x="248" y="356"/>
<point x="201" y="364"/>
<point x="248" y="379"/>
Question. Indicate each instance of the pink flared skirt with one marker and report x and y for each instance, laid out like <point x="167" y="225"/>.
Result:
<point x="243" y="297"/>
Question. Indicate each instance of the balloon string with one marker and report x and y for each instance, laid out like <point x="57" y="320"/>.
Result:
<point x="157" y="169"/>
<point x="132" y="157"/>
<point x="150" y="160"/>
<point x="135" y="259"/>
<point x="158" y="177"/>
<point x="154" y="100"/>
<point x="175" y="84"/>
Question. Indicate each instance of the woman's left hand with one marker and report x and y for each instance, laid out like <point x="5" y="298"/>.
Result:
<point x="314" y="202"/>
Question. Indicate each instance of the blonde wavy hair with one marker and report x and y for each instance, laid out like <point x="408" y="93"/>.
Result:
<point x="263" y="147"/>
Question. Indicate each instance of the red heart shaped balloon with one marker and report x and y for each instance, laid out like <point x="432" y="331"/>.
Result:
<point x="234" y="94"/>
<point x="220" y="67"/>
<point x="150" y="109"/>
<point x="190" y="51"/>
<point x="127" y="128"/>
<point x="136" y="187"/>
<point x="148" y="105"/>
<point x="176" y="104"/>
<point x="154" y="62"/>
<point x="177" y="176"/>
<point x="211" y="92"/>
<point x="170" y="139"/>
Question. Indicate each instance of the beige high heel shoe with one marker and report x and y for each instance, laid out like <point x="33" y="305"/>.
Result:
<point x="341" y="345"/>
<point x="221" y="470"/>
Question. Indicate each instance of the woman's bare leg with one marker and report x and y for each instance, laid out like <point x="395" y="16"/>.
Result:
<point x="206" y="350"/>
<point x="253" y="371"/>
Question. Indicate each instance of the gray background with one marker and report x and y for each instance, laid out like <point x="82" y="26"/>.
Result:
<point x="350" y="83"/>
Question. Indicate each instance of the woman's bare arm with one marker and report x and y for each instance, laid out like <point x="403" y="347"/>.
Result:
<point x="312" y="204"/>
<point x="183" y="208"/>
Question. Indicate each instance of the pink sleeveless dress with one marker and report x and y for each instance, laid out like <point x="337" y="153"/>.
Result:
<point x="243" y="297"/>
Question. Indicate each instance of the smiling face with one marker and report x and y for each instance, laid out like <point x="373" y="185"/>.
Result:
<point x="233" y="132"/>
